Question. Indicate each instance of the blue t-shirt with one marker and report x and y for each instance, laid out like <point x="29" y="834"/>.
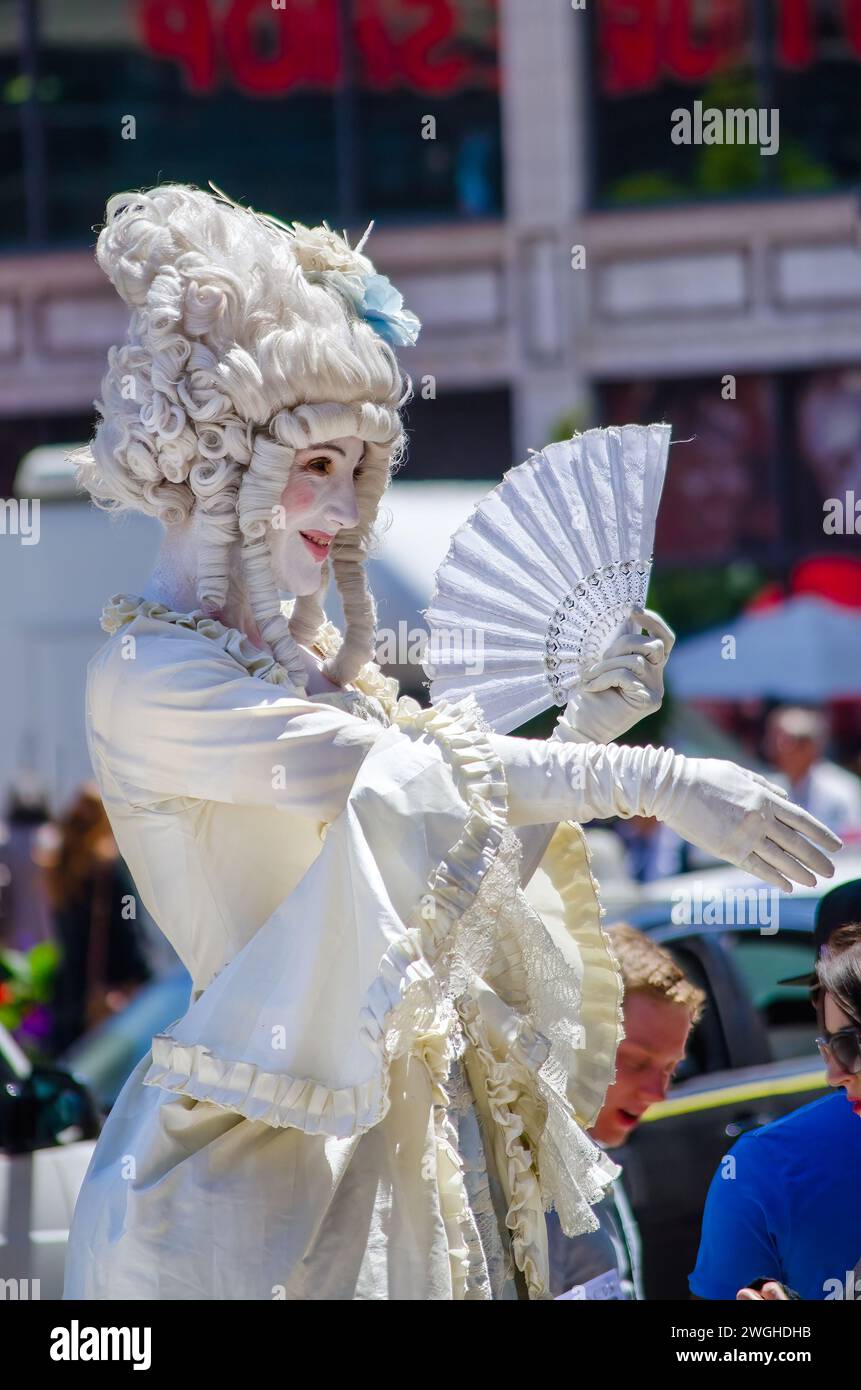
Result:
<point x="788" y="1207"/>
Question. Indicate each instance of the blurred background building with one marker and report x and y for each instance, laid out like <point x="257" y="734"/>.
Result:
<point x="717" y="287"/>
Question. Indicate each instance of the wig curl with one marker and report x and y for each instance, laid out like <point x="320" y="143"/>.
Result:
<point x="239" y="353"/>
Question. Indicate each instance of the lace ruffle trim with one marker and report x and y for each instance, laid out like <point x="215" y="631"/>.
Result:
<point x="567" y="863"/>
<point x="534" y="1119"/>
<point x="506" y="1081"/>
<point x="454" y="884"/>
<point x="124" y="608"/>
<point x="402" y="1000"/>
<point x="370" y="696"/>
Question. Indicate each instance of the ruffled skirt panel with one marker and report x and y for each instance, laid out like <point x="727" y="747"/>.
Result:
<point x="186" y="1200"/>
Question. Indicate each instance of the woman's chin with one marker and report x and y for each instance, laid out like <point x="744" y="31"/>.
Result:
<point x="298" y="585"/>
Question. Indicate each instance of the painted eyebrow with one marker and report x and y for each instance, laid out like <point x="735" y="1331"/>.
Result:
<point x="336" y="448"/>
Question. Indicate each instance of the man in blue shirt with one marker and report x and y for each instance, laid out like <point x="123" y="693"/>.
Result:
<point x="784" y="1204"/>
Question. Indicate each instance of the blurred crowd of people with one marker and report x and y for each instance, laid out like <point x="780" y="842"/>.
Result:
<point x="792" y="743"/>
<point x="75" y="941"/>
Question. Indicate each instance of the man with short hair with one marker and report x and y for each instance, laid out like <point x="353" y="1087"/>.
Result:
<point x="660" y="1008"/>
<point x="795" y="743"/>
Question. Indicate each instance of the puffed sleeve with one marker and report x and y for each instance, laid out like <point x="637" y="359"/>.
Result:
<point x="356" y="942"/>
<point x="181" y="719"/>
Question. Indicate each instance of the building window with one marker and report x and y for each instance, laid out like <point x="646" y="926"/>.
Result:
<point x="719" y="499"/>
<point x="307" y="108"/>
<point x="825" y="409"/>
<point x="651" y="59"/>
<point x="769" y="476"/>
<point x="458" y="434"/>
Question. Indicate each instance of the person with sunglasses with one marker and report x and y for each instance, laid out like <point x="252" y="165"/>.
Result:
<point x="783" y="1219"/>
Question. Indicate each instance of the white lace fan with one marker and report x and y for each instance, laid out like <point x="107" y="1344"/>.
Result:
<point x="545" y="572"/>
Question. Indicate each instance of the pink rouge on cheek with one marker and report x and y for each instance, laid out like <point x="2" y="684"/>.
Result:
<point x="298" y="497"/>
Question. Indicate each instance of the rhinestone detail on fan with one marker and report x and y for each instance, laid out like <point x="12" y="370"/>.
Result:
<point x="581" y="625"/>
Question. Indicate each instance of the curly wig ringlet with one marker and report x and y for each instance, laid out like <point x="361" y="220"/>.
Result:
<point x="239" y="353"/>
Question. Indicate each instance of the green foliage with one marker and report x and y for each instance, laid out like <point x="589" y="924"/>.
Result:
<point x="574" y="421"/>
<point x="799" y="172"/>
<point x="647" y="186"/>
<point x="693" y="599"/>
<point x="26" y="982"/>
<point x="725" y="168"/>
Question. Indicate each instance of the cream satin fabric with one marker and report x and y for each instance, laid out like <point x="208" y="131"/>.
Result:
<point x="290" y="1136"/>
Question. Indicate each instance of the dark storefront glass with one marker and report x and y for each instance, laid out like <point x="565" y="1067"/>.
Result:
<point x="13" y="84"/>
<point x="309" y="108"/>
<point x="753" y="478"/>
<point x="114" y="62"/>
<point x="458" y="435"/>
<point x="650" y="58"/>
<point x="720" y="499"/>
<point x="826" y="416"/>
<point x="428" y="109"/>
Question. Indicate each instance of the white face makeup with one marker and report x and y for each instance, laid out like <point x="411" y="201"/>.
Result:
<point x="318" y="502"/>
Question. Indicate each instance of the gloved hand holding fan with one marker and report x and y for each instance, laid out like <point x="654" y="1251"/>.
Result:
<point x="548" y="577"/>
<point x="625" y="685"/>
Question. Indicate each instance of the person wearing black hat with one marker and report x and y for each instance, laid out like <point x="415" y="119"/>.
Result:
<point x="783" y="1218"/>
<point x="840" y="907"/>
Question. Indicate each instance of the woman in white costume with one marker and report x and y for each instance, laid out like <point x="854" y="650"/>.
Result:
<point x="388" y="1062"/>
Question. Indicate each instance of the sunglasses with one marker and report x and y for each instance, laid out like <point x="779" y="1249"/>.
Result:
<point x="844" y="1047"/>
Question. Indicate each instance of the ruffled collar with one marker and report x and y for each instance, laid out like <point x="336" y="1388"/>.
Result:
<point x="371" y="694"/>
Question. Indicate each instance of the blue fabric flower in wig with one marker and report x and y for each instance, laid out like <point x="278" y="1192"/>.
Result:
<point x="382" y="307"/>
<point x="375" y="299"/>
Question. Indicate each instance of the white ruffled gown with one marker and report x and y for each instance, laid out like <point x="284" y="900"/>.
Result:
<point x="390" y="1057"/>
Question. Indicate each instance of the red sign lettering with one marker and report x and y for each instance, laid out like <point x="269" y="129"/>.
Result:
<point x="640" y="42"/>
<point x="270" y="50"/>
<point x="629" y="45"/>
<point x="852" y="17"/>
<point x="182" y="30"/>
<point x="694" y="60"/>
<point x="416" y="52"/>
<point x="795" y="33"/>
<point x="305" y="45"/>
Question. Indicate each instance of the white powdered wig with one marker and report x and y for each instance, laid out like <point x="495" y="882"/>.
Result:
<point x="240" y="353"/>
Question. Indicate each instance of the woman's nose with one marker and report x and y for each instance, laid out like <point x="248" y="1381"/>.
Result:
<point x="343" y="508"/>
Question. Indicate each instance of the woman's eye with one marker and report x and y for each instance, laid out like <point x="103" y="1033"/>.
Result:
<point x="320" y="464"/>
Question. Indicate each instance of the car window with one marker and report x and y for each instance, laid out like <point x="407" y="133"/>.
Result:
<point x="762" y="962"/>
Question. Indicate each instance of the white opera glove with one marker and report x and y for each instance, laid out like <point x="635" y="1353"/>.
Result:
<point x="623" y="687"/>
<point x="724" y="809"/>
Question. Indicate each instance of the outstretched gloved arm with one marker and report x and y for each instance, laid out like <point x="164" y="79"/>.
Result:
<point x="724" y="809"/>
